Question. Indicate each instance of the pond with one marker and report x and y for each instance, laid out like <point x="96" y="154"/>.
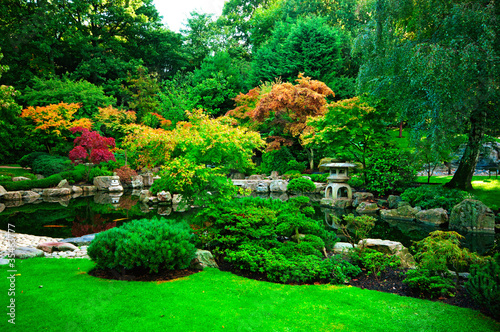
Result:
<point x="92" y="214"/>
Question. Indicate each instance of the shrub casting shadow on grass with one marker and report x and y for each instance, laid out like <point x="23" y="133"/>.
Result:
<point x="71" y="300"/>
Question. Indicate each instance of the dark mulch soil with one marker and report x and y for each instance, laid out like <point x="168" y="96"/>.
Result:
<point x="141" y="274"/>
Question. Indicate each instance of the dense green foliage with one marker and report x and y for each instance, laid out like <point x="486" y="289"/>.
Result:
<point x="153" y="245"/>
<point x="301" y="185"/>
<point x="484" y="285"/>
<point x="432" y="197"/>
<point x="437" y="255"/>
<point x="275" y="238"/>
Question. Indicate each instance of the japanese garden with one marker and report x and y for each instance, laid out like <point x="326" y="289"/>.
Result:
<point x="288" y="165"/>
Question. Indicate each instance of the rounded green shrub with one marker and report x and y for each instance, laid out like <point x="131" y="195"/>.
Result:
<point x="301" y="185"/>
<point x="48" y="165"/>
<point x="431" y="197"/>
<point x="156" y="244"/>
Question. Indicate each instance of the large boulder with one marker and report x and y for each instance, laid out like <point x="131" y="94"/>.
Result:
<point x="144" y="196"/>
<point x="404" y="212"/>
<point x="320" y="187"/>
<point x="108" y="183"/>
<point x="80" y="241"/>
<point x="359" y="197"/>
<point x="147" y="179"/>
<point x="56" y="246"/>
<point x="164" y="197"/>
<point x="433" y="217"/>
<point x="472" y="215"/>
<point x="63" y="184"/>
<point x="203" y="259"/>
<point x="137" y="181"/>
<point x="27" y="252"/>
<point x="256" y="177"/>
<point x="30" y="196"/>
<point x="237" y="176"/>
<point x="2" y="207"/>
<point x="367" y="208"/>
<point x="12" y="196"/>
<point x="342" y="203"/>
<point x="278" y="186"/>
<point x="342" y="248"/>
<point x="393" y="201"/>
<point x="391" y="248"/>
<point x="54" y="192"/>
<point x="2" y="191"/>
<point x="20" y="178"/>
<point x="262" y="187"/>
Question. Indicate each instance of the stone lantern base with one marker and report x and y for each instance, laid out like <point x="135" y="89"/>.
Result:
<point x="338" y="190"/>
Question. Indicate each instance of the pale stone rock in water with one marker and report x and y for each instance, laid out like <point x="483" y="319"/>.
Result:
<point x="278" y="186"/>
<point x="2" y="191"/>
<point x="359" y="197"/>
<point x="342" y="247"/>
<point x="20" y="178"/>
<point x="393" y="201"/>
<point x="262" y="187"/>
<point x="51" y="192"/>
<point x="434" y="217"/>
<point x="367" y="208"/>
<point x="12" y="196"/>
<point x="137" y="181"/>
<point x="474" y="216"/>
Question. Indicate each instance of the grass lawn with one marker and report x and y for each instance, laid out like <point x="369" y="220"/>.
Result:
<point x="19" y="171"/>
<point x="487" y="189"/>
<point x="71" y="300"/>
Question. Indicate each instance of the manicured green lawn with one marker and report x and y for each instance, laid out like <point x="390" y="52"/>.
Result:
<point x="19" y="171"/>
<point x="71" y="300"/>
<point x="487" y="189"/>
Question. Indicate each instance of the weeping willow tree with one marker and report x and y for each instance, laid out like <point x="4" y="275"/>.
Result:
<point x="437" y="64"/>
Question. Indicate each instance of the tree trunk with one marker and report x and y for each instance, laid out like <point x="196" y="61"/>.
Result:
<point x="462" y="179"/>
<point x="400" y="130"/>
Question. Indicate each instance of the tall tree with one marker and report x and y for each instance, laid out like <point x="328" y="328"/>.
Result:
<point x="437" y="62"/>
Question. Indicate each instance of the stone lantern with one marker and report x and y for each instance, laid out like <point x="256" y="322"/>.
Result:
<point x="337" y="181"/>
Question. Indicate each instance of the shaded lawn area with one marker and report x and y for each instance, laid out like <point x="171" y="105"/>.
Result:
<point x="487" y="189"/>
<point x="71" y="300"/>
<point x="14" y="170"/>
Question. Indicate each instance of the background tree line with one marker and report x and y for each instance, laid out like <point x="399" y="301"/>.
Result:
<point x="431" y="64"/>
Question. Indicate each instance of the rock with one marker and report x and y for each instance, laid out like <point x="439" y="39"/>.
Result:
<point x="20" y="178"/>
<point x="63" y="184"/>
<point x="12" y="196"/>
<point x="262" y="187"/>
<point x="2" y="207"/>
<point x="63" y="200"/>
<point x="76" y="190"/>
<point x="80" y="241"/>
<point x="434" y="217"/>
<point x="252" y="185"/>
<point x="108" y="183"/>
<point x="56" y="246"/>
<point x="137" y="181"/>
<point x="404" y="212"/>
<point x="203" y="259"/>
<point x="367" y="208"/>
<point x="382" y="203"/>
<point x="342" y="247"/>
<point x="4" y="261"/>
<point x="39" y="176"/>
<point x="359" y="197"/>
<point x="27" y="252"/>
<point x="89" y="189"/>
<point x="156" y="177"/>
<point x="256" y="177"/>
<point x="52" y="192"/>
<point x="393" y="201"/>
<point x="472" y="215"/>
<point x="278" y="186"/>
<point x="144" y="196"/>
<point x="342" y="203"/>
<point x="274" y="175"/>
<point x="164" y="197"/>
<point x="176" y="199"/>
<point x="30" y="196"/>
<point x="391" y="248"/>
<point x="147" y="179"/>
<point x="320" y="187"/>
<point x="13" y="203"/>
<point x="179" y="208"/>
<point x="2" y="191"/>
<point x="237" y="176"/>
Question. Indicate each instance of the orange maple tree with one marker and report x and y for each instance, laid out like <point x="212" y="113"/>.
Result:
<point x="282" y="112"/>
<point x="51" y="124"/>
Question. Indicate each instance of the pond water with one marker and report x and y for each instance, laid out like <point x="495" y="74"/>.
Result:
<point x="92" y="214"/>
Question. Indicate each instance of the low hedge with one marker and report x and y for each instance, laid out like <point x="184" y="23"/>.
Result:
<point x="48" y="182"/>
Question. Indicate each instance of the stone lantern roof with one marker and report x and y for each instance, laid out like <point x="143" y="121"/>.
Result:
<point x="339" y="171"/>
